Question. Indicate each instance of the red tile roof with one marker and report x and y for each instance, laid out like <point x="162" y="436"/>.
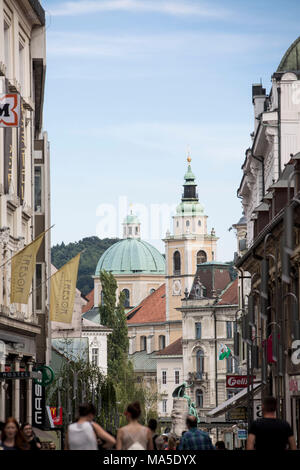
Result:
<point x="151" y="309"/>
<point x="90" y="304"/>
<point x="174" y="349"/>
<point x="230" y="296"/>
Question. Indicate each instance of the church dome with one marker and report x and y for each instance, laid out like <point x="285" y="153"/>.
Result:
<point x="132" y="256"/>
<point x="190" y="208"/>
<point x="290" y="62"/>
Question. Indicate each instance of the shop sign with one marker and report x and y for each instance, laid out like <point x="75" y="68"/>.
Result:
<point x="238" y="381"/>
<point x="19" y="375"/>
<point x="9" y="110"/>
<point x="55" y="416"/>
<point x="242" y="434"/>
<point x="294" y="385"/>
<point x="238" y="414"/>
<point x="38" y="405"/>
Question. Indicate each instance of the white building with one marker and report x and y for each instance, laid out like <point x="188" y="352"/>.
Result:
<point x="24" y="199"/>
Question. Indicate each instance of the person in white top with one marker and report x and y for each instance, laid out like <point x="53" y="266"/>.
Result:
<point x="83" y="434"/>
<point x="134" y="436"/>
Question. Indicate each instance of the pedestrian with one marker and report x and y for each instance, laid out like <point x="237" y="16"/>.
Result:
<point x="31" y="438"/>
<point x="171" y="443"/>
<point x="152" y="425"/>
<point x="220" y="445"/>
<point x="165" y="437"/>
<point x="160" y="443"/>
<point x="83" y="434"/>
<point x="270" y="433"/>
<point x="134" y="436"/>
<point x="12" y="437"/>
<point x="195" y="439"/>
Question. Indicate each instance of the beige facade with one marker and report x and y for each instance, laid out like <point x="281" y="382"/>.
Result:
<point x="24" y="199"/>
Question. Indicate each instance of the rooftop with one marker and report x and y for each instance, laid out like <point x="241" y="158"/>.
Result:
<point x="174" y="349"/>
<point x="151" y="310"/>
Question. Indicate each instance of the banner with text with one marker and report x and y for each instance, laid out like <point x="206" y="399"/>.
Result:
<point x="63" y="287"/>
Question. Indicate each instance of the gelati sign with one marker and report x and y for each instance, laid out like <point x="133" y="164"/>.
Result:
<point x="238" y="381"/>
<point x="9" y="110"/>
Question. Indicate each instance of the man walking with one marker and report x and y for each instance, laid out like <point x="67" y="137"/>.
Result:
<point x="195" y="439"/>
<point x="270" y="433"/>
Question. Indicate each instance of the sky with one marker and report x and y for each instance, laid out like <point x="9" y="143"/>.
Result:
<point x="132" y="86"/>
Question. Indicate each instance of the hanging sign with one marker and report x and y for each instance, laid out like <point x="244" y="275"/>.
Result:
<point x="55" y="416"/>
<point x="9" y="110"/>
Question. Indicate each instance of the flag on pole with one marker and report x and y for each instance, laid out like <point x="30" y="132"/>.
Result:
<point x="22" y="271"/>
<point x="224" y="352"/>
<point x="63" y="286"/>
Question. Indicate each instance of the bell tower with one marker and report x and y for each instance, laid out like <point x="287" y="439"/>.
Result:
<point x="189" y="245"/>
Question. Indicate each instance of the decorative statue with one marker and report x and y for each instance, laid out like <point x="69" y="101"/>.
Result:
<point x="179" y="392"/>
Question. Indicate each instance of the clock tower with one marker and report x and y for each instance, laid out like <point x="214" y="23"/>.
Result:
<point x="189" y="245"/>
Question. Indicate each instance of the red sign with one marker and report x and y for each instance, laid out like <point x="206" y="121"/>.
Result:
<point x="9" y="110"/>
<point x="238" y="381"/>
<point x="56" y="415"/>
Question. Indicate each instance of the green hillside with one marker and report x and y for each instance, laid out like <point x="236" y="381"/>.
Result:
<point x="94" y="248"/>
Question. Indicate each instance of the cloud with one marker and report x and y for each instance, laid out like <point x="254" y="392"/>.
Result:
<point x="167" y="7"/>
<point x="132" y="47"/>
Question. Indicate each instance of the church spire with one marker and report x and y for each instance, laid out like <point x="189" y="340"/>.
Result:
<point x="189" y="193"/>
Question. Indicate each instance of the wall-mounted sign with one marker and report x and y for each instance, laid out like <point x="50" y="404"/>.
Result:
<point x="238" y="414"/>
<point x="55" y="416"/>
<point x="242" y="434"/>
<point x="238" y="381"/>
<point x="38" y="405"/>
<point x="9" y="110"/>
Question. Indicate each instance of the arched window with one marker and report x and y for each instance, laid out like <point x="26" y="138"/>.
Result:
<point x="187" y="223"/>
<point x="127" y="298"/>
<point x="200" y="363"/>
<point x="199" y="398"/>
<point x="162" y="342"/>
<point x="201" y="257"/>
<point x="199" y="223"/>
<point x="176" y="263"/>
<point x="143" y="343"/>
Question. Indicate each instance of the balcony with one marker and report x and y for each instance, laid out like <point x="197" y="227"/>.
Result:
<point x="198" y="376"/>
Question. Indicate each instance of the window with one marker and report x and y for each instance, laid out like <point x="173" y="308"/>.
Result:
<point x="164" y="406"/>
<point x="213" y="255"/>
<point x="201" y="257"/>
<point x="152" y="290"/>
<point x="38" y="189"/>
<point x="230" y="394"/>
<point x="187" y="223"/>
<point x="95" y="355"/>
<point x="102" y="298"/>
<point x="127" y="297"/>
<point x="199" y="398"/>
<point x="22" y="67"/>
<point x="198" y="331"/>
<point x="199" y="223"/>
<point x="229" y="364"/>
<point x="177" y="224"/>
<point x="176" y="263"/>
<point x="7" y="44"/>
<point x="38" y="286"/>
<point x="162" y="342"/>
<point x="143" y="343"/>
<point x="164" y="377"/>
<point x="130" y="230"/>
<point x="176" y="376"/>
<point x="136" y="230"/>
<point x="229" y="329"/>
<point x="200" y="363"/>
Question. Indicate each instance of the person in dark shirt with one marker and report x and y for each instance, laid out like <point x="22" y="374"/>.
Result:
<point x="152" y="425"/>
<point x="32" y="439"/>
<point x="269" y="432"/>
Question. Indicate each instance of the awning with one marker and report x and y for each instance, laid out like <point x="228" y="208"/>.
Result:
<point x="234" y="401"/>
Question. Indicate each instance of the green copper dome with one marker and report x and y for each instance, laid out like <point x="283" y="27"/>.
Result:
<point x="291" y="59"/>
<point x="190" y="208"/>
<point x="131" y="219"/>
<point x="131" y="256"/>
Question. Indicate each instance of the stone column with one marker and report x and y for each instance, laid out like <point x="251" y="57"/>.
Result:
<point x="29" y="395"/>
<point x="16" y="390"/>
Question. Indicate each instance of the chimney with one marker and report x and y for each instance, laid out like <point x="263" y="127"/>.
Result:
<point x="258" y="99"/>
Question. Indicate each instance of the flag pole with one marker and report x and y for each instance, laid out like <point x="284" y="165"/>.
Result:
<point x="18" y="252"/>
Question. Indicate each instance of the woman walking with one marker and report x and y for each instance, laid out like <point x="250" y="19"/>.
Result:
<point x="12" y="438"/>
<point x="134" y="436"/>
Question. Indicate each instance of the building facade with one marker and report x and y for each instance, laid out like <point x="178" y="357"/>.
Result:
<point x="24" y="200"/>
<point x="269" y="191"/>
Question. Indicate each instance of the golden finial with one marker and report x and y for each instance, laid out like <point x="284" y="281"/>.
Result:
<point x="188" y="155"/>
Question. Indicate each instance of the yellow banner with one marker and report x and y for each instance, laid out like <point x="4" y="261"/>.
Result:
<point x="63" y="287"/>
<point x="22" y="271"/>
